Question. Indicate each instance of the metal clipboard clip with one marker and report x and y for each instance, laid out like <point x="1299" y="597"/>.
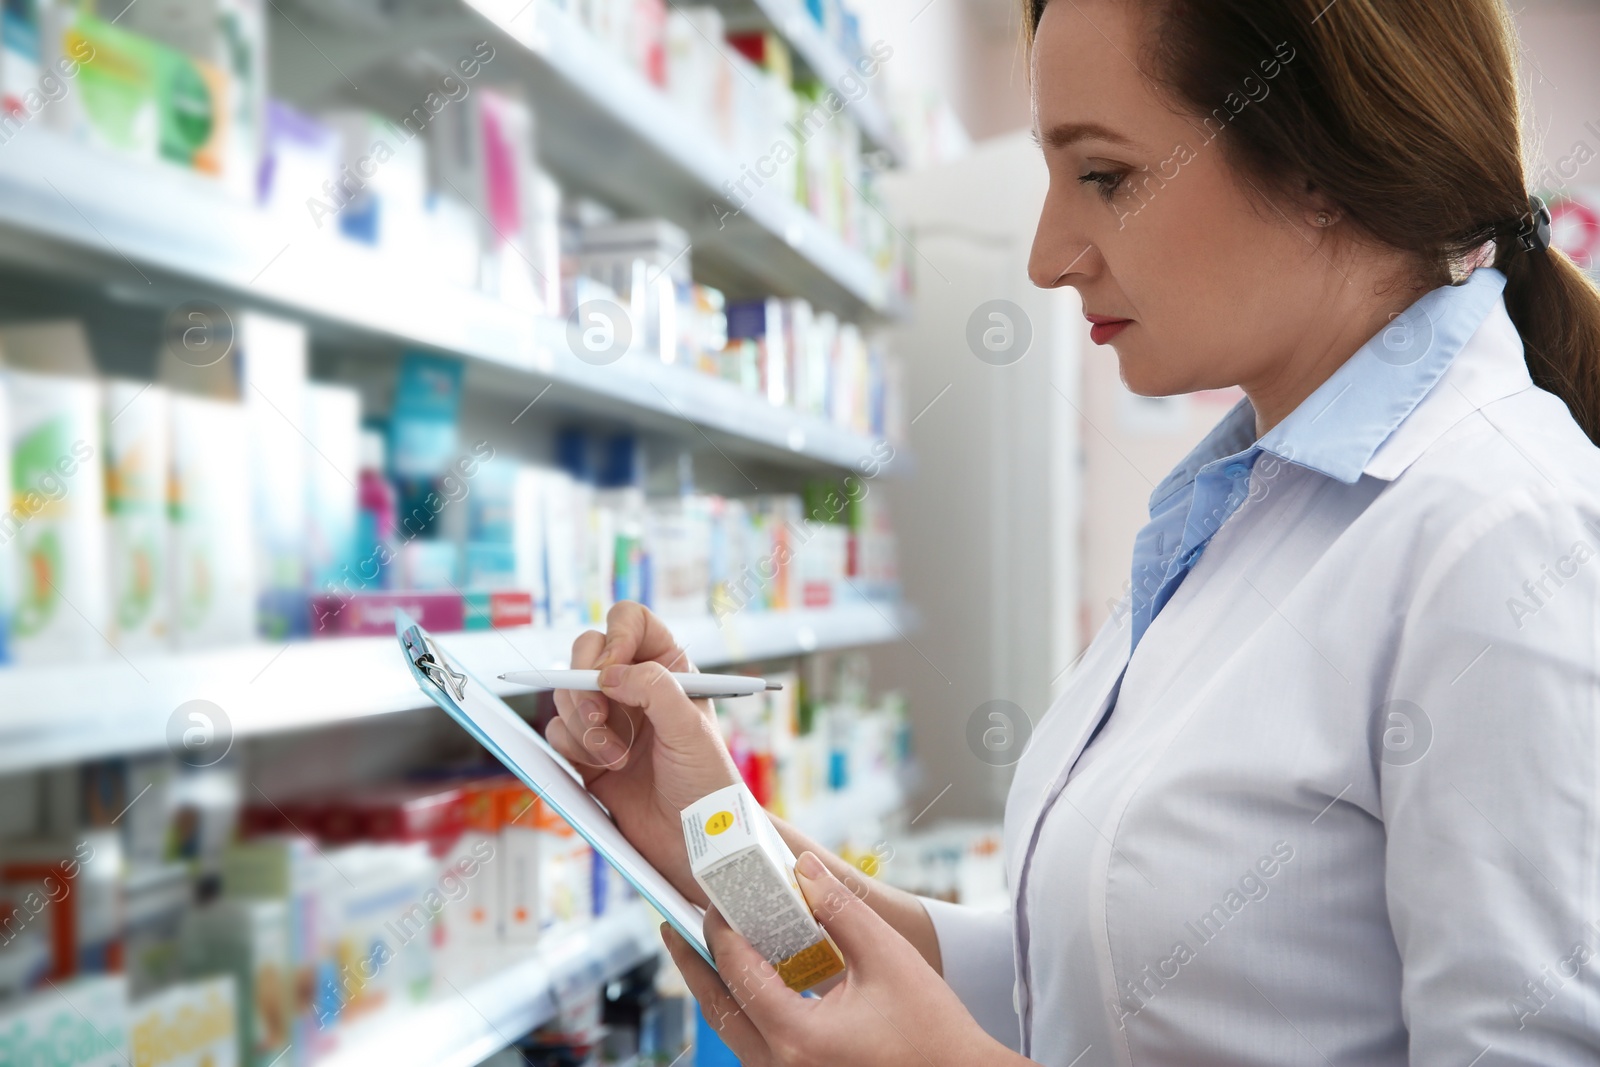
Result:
<point x="427" y="658"/>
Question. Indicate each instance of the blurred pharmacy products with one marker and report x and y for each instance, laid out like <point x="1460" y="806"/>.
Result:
<point x="147" y="516"/>
<point x="188" y="912"/>
<point x="497" y="313"/>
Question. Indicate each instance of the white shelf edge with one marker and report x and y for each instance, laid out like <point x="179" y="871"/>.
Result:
<point x="112" y="705"/>
<point x="468" y="1021"/>
<point x="178" y="223"/>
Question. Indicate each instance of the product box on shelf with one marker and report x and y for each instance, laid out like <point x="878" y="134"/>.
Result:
<point x="136" y="466"/>
<point x="333" y="427"/>
<point x="388" y="210"/>
<point x="384" y="929"/>
<point x="290" y="870"/>
<point x="231" y="36"/>
<point x="274" y="361"/>
<point x="475" y="857"/>
<point x="55" y="522"/>
<point x="372" y="614"/>
<point x="192" y="1024"/>
<point x="248" y="940"/>
<point x="484" y="152"/>
<point x="73" y="890"/>
<point x="546" y="870"/>
<point x="498" y="610"/>
<point x="213" y="588"/>
<point x="82" y="1023"/>
<point x="144" y="99"/>
<point x="300" y="162"/>
<point x="155" y="900"/>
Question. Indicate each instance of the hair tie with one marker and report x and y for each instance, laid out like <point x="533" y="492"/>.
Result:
<point x="1534" y="232"/>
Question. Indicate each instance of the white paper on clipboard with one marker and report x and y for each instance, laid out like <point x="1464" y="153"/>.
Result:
<point x="525" y="754"/>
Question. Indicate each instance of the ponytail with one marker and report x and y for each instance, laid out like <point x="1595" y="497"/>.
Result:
<point x="1556" y="309"/>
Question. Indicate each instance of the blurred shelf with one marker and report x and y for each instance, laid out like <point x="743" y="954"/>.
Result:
<point x="111" y="705"/>
<point x="824" y="59"/>
<point x="163" y="236"/>
<point x="478" y="1011"/>
<point x="602" y="128"/>
<point x="830" y="818"/>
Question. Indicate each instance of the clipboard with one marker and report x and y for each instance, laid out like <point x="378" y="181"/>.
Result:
<point x="542" y="769"/>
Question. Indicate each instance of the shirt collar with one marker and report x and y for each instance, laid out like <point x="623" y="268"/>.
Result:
<point x="1342" y="427"/>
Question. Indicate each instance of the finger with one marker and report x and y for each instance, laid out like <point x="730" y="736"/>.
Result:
<point x="860" y="932"/>
<point x="722" y="1012"/>
<point x="634" y="634"/>
<point x="587" y="716"/>
<point x="594" y="741"/>
<point x="651" y="688"/>
<point x="754" y="982"/>
<point x="560" y="739"/>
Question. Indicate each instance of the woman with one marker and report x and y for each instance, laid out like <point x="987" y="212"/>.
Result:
<point x="1326" y="792"/>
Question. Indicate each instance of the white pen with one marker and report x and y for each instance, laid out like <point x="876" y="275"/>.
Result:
<point x="695" y="685"/>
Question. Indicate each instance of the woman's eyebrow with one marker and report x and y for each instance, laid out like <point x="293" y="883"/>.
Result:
<point x="1067" y="133"/>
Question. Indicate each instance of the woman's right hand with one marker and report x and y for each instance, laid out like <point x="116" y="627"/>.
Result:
<point x="645" y="750"/>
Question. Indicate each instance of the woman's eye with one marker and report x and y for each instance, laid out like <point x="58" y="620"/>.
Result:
<point x="1106" y="180"/>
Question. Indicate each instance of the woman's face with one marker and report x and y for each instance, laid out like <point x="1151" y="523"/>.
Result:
<point x="1147" y="221"/>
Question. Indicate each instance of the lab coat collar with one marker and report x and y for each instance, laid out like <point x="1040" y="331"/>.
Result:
<point x="1490" y="367"/>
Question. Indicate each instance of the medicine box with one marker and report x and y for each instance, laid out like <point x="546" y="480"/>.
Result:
<point x="747" y="872"/>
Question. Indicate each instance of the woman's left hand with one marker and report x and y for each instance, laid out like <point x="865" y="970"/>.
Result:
<point x="890" y="1009"/>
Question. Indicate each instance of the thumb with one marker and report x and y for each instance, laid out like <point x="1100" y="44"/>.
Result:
<point x="856" y="928"/>
<point x="651" y="688"/>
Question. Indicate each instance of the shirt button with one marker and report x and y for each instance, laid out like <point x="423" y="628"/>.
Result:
<point x="1016" y="997"/>
<point x="1237" y="470"/>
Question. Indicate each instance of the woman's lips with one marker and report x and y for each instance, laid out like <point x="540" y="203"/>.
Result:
<point x="1103" y="328"/>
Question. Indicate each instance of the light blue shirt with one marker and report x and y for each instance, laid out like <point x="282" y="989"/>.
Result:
<point x="1335" y="432"/>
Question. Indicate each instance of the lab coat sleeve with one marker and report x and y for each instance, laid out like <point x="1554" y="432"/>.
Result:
<point x="1487" y="747"/>
<point x="980" y="965"/>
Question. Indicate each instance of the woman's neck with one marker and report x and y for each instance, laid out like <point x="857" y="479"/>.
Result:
<point x="1360" y="304"/>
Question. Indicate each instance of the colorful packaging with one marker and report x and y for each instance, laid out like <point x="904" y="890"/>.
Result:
<point x="83" y="1023"/>
<point x="485" y="152"/>
<point x="565" y="514"/>
<point x="145" y="99"/>
<point x="423" y="438"/>
<point x="57" y="511"/>
<point x="384" y="927"/>
<point x="748" y="873"/>
<point x="73" y="890"/>
<point x="212" y="556"/>
<point x="137" y="425"/>
<point x="387" y="184"/>
<point x="292" y="871"/>
<point x="333" y="425"/>
<point x="371" y="614"/>
<point x="249" y="941"/>
<point x="475" y="919"/>
<point x="499" y="610"/>
<point x="192" y="1024"/>
<point x="548" y="872"/>
<point x="300" y="159"/>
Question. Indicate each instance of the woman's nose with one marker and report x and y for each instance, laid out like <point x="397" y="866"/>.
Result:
<point x="1061" y="252"/>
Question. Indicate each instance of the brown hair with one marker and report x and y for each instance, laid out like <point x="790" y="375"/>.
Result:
<point x="1404" y="114"/>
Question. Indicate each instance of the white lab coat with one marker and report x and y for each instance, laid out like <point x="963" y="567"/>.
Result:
<point x="1346" y="811"/>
